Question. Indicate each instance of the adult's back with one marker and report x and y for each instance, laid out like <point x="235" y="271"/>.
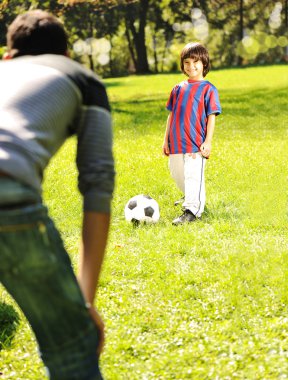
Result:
<point x="45" y="98"/>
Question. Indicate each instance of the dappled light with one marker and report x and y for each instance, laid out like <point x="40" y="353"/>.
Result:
<point x="122" y="37"/>
<point x="97" y="48"/>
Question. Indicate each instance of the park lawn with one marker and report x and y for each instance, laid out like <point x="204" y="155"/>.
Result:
<point x="206" y="300"/>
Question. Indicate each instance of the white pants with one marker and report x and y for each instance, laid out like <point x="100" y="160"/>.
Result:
<point x="188" y="172"/>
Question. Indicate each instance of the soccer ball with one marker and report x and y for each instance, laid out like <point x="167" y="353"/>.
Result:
<point x="142" y="208"/>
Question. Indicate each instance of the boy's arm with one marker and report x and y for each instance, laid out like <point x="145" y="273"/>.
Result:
<point x="165" y="146"/>
<point x="206" y="147"/>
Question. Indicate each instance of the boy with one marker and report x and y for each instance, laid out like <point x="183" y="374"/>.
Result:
<point x="45" y="97"/>
<point x="193" y="105"/>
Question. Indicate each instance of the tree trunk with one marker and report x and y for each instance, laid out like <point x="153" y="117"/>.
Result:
<point x="91" y="62"/>
<point x="241" y="29"/>
<point x="155" y="53"/>
<point x="130" y="44"/>
<point x="110" y="56"/>
<point x="286" y="25"/>
<point x="140" y="58"/>
<point x="164" y="55"/>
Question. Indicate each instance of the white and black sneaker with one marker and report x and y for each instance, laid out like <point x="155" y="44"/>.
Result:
<point x="180" y="201"/>
<point x="186" y="217"/>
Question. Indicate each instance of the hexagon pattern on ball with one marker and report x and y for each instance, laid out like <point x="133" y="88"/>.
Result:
<point x="142" y="209"/>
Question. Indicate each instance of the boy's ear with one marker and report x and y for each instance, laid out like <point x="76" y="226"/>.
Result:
<point x="7" y="55"/>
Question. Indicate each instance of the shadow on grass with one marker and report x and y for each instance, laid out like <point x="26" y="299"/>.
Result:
<point x="151" y="111"/>
<point x="225" y="211"/>
<point x="113" y="84"/>
<point x="9" y="320"/>
<point x="254" y="103"/>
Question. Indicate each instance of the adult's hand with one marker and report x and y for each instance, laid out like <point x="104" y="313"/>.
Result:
<point x="100" y="326"/>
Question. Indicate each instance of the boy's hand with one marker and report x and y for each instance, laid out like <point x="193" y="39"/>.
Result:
<point x="205" y="149"/>
<point x="165" y="148"/>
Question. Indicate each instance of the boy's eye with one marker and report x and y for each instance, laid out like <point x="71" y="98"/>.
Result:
<point x="188" y="62"/>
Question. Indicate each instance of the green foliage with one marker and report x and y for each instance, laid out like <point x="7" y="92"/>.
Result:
<point x="158" y="28"/>
<point x="200" y="301"/>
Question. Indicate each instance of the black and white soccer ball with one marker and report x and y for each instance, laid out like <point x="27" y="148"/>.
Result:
<point x="142" y="208"/>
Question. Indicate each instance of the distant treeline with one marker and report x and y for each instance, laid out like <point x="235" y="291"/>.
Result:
<point x="118" y="37"/>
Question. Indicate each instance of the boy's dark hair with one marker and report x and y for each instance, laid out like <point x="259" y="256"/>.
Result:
<point x="197" y="52"/>
<point x="36" y="32"/>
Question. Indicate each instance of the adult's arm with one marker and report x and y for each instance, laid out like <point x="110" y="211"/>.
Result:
<point x="94" y="238"/>
<point x="96" y="183"/>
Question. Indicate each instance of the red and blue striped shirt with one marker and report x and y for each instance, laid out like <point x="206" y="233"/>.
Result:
<point x="191" y="102"/>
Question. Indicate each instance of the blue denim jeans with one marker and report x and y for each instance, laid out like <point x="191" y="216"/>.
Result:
<point x="36" y="270"/>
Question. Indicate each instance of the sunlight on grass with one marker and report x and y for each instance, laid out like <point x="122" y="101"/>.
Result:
<point x="200" y="301"/>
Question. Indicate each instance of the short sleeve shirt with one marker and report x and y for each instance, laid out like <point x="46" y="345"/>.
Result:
<point x="191" y="102"/>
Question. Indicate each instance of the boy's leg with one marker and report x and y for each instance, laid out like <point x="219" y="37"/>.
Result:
<point x="194" y="166"/>
<point x="37" y="272"/>
<point x="176" y="166"/>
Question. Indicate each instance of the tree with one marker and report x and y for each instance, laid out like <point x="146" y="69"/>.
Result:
<point x="9" y="9"/>
<point x="137" y="14"/>
<point x="145" y="31"/>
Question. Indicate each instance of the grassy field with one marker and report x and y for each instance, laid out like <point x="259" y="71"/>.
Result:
<point x="202" y="301"/>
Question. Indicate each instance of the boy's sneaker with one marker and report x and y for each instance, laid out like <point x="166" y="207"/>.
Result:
<point x="176" y="203"/>
<point x="186" y="217"/>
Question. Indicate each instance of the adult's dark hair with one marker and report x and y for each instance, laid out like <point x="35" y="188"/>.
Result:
<point x="197" y="52"/>
<point x="36" y="32"/>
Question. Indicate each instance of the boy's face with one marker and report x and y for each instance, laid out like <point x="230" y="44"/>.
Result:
<point x="194" y="69"/>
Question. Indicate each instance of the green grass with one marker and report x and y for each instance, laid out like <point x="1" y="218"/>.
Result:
<point x="200" y="301"/>
<point x="8" y="324"/>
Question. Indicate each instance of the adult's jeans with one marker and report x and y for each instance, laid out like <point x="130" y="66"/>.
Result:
<point x="36" y="270"/>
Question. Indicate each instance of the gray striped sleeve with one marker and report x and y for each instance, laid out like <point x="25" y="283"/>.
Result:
<point x="95" y="159"/>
